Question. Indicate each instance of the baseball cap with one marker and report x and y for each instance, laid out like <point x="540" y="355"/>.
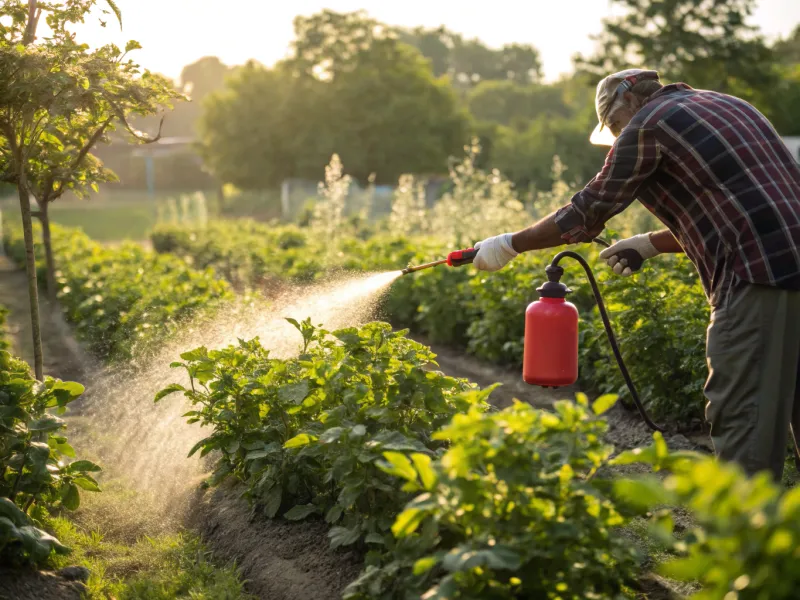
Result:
<point x="609" y="91"/>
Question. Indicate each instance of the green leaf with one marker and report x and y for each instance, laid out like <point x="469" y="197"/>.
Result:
<point x="198" y="354"/>
<point x="604" y="403"/>
<point x="334" y="514"/>
<point x="66" y="391"/>
<point x="422" y="463"/>
<point x="83" y="466"/>
<point x="115" y="9"/>
<point x="302" y="439"/>
<point x="691" y="568"/>
<point x="12" y="512"/>
<point x="343" y="536"/>
<point x="397" y="464"/>
<point x="272" y="503"/>
<point x="39" y="544"/>
<point x="170" y="389"/>
<point x="375" y="538"/>
<point x="70" y="497"/>
<point x="87" y="484"/>
<point x="395" y="441"/>
<point x="643" y="493"/>
<point x="206" y="443"/>
<point x="271" y="448"/>
<point x="301" y="511"/>
<point x="294" y="392"/>
<point x="425" y="564"/>
<point x="46" y="423"/>
<point x="331" y="435"/>
<point x="464" y="558"/>
<point x="407" y="522"/>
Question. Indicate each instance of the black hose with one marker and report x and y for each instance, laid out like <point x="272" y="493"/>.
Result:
<point x="610" y="332"/>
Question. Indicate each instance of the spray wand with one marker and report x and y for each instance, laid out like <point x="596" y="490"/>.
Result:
<point x="551" y="324"/>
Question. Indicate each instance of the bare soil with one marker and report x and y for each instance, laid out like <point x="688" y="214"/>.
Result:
<point x="279" y="560"/>
<point x="29" y="584"/>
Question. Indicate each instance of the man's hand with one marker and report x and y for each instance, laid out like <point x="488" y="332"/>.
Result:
<point x="638" y="249"/>
<point x="494" y="253"/>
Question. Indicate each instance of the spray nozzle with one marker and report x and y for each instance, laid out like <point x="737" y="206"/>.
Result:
<point x="457" y="258"/>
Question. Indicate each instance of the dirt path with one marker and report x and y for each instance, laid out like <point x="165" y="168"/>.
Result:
<point x="63" y="357"/>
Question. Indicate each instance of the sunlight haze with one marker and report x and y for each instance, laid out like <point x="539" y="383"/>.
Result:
<point x="175" y="33"/>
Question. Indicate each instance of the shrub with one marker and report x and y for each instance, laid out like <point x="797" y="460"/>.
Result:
<point x="125" y="298"/>
<point x="304" y="434"/>
<point x="511" y="510"/>
<point x="743" y="543"/>
<point x="37" y="464"/>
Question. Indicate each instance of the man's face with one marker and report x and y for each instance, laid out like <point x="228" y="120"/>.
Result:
<point x="619" y="118"/>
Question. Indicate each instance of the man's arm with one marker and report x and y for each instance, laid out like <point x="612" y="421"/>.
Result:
<point x="665" y="242"/>
<point x="541" y="235"/>
<point x="634" y="157"/>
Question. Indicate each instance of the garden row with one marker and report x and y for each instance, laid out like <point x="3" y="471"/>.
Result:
<point x="39" y="469"/>
<point x="448" y="498"/>
<point x="124" y="298"/>
<point x="659" y="316"/>
<point x="107" y="295"/>
<point x="444" y="495"/>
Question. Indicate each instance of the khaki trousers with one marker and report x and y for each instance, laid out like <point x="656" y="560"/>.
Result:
<point x="753" y="387"/>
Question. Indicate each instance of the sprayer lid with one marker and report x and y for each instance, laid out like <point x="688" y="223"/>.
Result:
<point x="553" y="289"/>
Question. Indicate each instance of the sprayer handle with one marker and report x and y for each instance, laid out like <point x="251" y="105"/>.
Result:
<point x="461" y="257"/>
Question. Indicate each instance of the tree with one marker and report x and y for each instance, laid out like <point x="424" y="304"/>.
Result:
<point x="350" y="88"/>
<point x="706" y="43"/>
<point x="243" y="128"/>
<point x="58" y="101"/>
<point x="788" y="50"/>
<point x="507" y="102"/>
<point x="469" y="62"/>
<point x="327" y="43"/>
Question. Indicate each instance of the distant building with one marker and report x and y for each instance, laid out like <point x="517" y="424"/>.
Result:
<point x="794" y="146"/>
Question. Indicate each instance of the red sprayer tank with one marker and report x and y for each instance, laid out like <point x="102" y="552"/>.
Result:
<point x="550" y="357"/>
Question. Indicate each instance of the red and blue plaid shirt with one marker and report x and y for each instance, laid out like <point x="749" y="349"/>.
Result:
<point x="713" y="169"/>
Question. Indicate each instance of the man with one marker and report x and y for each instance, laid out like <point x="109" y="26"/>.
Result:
<point x="715" y="172"/>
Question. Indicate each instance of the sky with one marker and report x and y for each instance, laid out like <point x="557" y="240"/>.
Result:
<point x="175" y="33"/>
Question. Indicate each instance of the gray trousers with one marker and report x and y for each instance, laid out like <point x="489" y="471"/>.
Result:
<point x="753" y="387"/>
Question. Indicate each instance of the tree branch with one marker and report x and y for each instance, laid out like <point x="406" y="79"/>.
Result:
<point x="30" y="27"/>
<point x="138" y="134"/>
<point x="92" y="141"/>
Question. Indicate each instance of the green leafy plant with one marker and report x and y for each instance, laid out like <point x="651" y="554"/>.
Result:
<point x="511" y="510"/>
<point x="124" y="298"/>
<point x="659" y="316"/>
<point x="305" y="434"/>
<point x="743" y="544"/>
<point x="659" y="319"/>
<point x="38" y="467"/>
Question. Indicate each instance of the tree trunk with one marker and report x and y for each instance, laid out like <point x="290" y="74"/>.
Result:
<point x="30" y="265"/>
<point x="44" y="217"/>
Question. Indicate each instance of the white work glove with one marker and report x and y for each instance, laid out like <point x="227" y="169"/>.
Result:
<point x="639" y="244"/>
<point x="494" y="253"/>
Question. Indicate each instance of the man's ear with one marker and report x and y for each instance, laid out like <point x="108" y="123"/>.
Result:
<point x="630" y="99"/>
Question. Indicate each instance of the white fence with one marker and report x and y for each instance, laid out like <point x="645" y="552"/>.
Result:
<point x="793" y="143"/>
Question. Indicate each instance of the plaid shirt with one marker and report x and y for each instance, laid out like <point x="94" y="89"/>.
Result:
<point x="715" y="172"/>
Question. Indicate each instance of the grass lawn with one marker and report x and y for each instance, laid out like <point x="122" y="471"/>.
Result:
<point x="106" y="217"/>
